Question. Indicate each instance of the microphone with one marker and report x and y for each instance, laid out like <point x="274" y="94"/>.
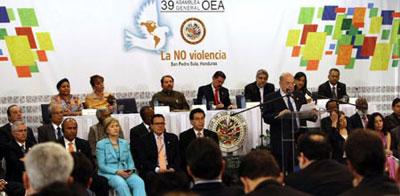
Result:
<point x="289" y="93"/>
<point x="308" y="93"/>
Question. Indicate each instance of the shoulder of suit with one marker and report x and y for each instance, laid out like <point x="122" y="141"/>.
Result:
<point x="185" y="132"/>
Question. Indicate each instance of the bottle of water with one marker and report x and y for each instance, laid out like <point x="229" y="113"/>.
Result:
<point x="203" y="100"/>
<point x="243" y="101"/>
<point x="155" y="102"/>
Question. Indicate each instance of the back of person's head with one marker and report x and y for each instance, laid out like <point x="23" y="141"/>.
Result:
<point x="47" y="163"/>
<point x="56" y="189"/>
<point x="204" y="159"/>
<point x="364" y="151"/>
<point x="314" y="145"/>
<point x="83" y="169"/>
<point x="168" y="182"/>
<point x="257" y="164"/>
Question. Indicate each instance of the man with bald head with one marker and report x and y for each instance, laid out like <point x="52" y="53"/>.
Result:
<point x="282" y="129"/>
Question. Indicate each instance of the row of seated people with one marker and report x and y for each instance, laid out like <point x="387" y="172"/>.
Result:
<point x="214" y="93"/>
<point x="258" y="170"/>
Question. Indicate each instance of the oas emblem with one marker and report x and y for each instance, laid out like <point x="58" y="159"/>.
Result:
<point x="193" y="30"/>
<point x="231" y="130"/>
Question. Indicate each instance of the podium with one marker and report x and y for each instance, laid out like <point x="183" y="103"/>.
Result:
<point x="291" y="126"/>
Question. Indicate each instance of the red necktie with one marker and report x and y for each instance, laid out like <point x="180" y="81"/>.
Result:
<point x="216" y="100"/>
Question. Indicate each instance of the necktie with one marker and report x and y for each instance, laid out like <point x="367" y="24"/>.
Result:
<point x="198" y="134"/>
<point x="70" y="147"/>
<point x="290" y="104"/>
<point x="216" y="100"/>
<point x="162" y="163"/>
<point x="365" y="121"/>
<point x="23" y="148"/>
<point x="59" y="134"/>
<point x="334" y="95"/>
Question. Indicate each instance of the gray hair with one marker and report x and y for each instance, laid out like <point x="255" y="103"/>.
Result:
<point x="283" y="75"/>
<point x="47" y="163"/>
<point x="16" y="124"/>
<point x="53" y="106"/>
<point x="262" y="72"/>
<point x="100" y="112"/>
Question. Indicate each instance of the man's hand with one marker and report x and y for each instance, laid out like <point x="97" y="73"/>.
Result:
<point x="219" y="106"/>
<point x="2" y="184"/>
<point x="282" y="113"/>
<point x="334" y="118"/>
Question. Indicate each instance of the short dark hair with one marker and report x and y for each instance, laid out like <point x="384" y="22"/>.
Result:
<point x="204" y="158"/>
<point x="156" y="116"/>
<point x="364" y="150"/>
<point x="142" y="110"/>
<point x="259" y="163"/>
<point x="9" y="109"/>
<point x="59" y="83"/>
<point x="194" y="111"/>
<point x="219" y="74"/>
<point x="167" y="182"/>
<point x="334" y="69"/>
<point x="94" y="78"/>
<point x="166" y="76"/>
<point x="395" y="101"/>
<point x="83" y="169"/>
<point x="371" y="122"/>
<point x="330" y="101"/>
<point x="314" y="148"/>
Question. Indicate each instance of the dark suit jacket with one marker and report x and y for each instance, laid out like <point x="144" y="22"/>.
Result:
<point x="148" y="154"/>
<point x="324" y="177"/>
<point x="13" y="154"/>
<point x="252" y="92"/>
<point x="272" y="187"/>
<point x="5" y="134"/>
<point x="188" y="136"/>
<point x="272" y="110"/>
<point x="135" y="134"/>
<point x="325" y="90"/>
<point x="355" y="121"/>
<point x="216" y="188"/>
<point x="81" y="146"/>
<point x="47" y="133"/>
<point x="374" y="185"/>
<point x="391" y="121"/>
<point x="207" y="92"/>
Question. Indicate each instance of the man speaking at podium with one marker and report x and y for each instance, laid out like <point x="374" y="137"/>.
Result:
<point x="286" y="101"/>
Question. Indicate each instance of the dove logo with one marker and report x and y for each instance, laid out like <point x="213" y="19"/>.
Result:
<point x="153" y="36"/>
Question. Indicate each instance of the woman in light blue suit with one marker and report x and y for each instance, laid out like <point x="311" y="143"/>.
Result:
<point x="115" y="162"/>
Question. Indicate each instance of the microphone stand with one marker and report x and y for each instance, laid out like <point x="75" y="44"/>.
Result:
<point x="261" y="105"/>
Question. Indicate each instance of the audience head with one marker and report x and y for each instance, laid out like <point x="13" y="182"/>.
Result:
<point x="331" y="105"/>
<point x="46" y="163"/>
<point x="396" y="106"/>
<point x="167" y="83"/>
<point x="257" y="166"/>
<point x="57" y="188"/>
<point x="19" y="131"/>
<point x="83" y="169"/>
<point x="97" y="83"/>
<point x="334" y="76"/>
<point x="362" y="105"/>
<point x="146" y="113"/>
<point x="70" y="128"/>
<point x="218" y="79"/>
<point x="313" y="146"/>
<point x="102" y="114"/>
<point x="63" y="87"/>
<point x="14" y="113"/>
<point x="204" y="159"/>
<point x="56" y="113"/>
<point x="286" y="82"/>
<point x="169" y="182"/>
<point x="261" y="77"/>
<point x="158" y="124"/>
<point x="112" y="127"/>
<point x="376" y="123"/>
<point x="365" y="153"/>
<point x="300" y="80"/>
<point x="197" y="118"/>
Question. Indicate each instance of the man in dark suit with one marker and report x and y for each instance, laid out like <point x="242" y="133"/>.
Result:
<point x="52" y="131"/>
<point x="366" y="160"/>
<point x="274" y="114"/>
<point x="360" y="118"/>
<point x="15" y="151"/>
<point x="393" y="120"/>
<point x="75" y="144"/>
<point x="197" y="119"/>
<point x="319" y="175"/>
<point x="259" y="89"/>
<point x="14" y="113"/>
<point x="260" y="175"/>
<point x="159" y="150"/>
<point x="146" y="113"/>
<point x="205" y="166"/>
<point x="332" y="88"/>
<point x="215" y="94"/>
